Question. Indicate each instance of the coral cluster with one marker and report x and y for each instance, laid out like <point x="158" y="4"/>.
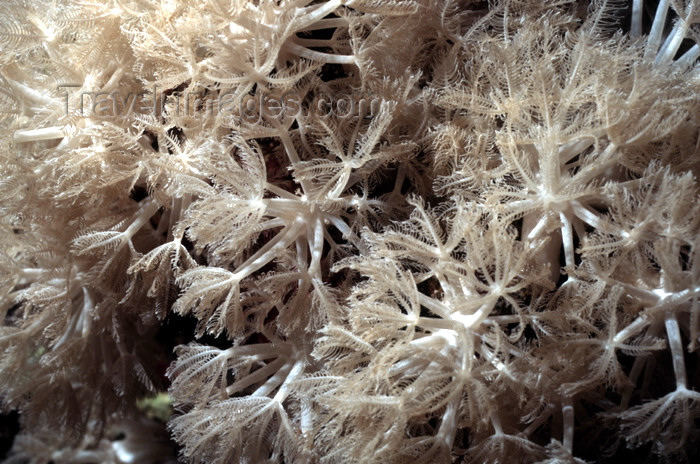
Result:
<point x="405" y="231"/>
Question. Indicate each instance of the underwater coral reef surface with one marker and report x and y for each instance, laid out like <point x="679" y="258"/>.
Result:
<point x="349" y="231"/>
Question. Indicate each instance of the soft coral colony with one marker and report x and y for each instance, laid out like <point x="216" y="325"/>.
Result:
<point x="405" y="231"/>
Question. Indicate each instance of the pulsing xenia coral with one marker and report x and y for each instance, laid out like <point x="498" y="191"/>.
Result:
<point x="356" y="231"/>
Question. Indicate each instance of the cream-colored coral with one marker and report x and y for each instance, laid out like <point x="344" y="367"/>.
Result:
<point x="404" y="231"/>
